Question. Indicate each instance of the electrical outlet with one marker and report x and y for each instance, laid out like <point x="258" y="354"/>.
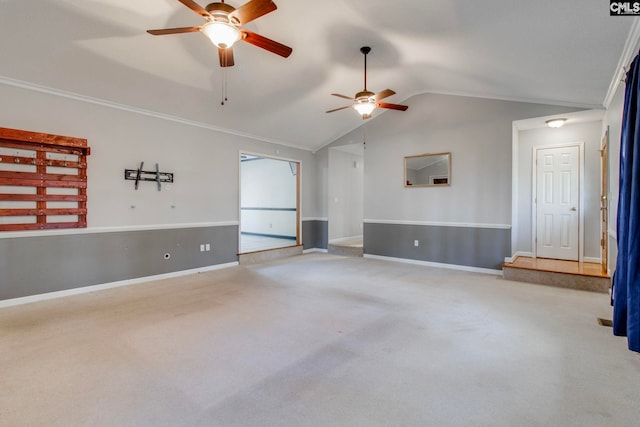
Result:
<point x="416" y="243"/>
<point x="202" y="248"/>
<point x="207" y="247"/>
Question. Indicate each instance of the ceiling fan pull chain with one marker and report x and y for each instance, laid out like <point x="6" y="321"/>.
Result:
<point x="364" y="137"/>
<point x="224" y="86"/>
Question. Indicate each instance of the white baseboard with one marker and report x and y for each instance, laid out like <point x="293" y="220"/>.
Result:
<point x="436" y="264"/>
<point x="93" y="288"/>
<point x="344" y="239"/>
<point x="308" y="251"/>
<point x="517" y="254"/>
<point x="594" y="260"/>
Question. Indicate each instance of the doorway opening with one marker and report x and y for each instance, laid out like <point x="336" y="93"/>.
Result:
<point x="269" y="203"/>
<point x="346" y="200"/>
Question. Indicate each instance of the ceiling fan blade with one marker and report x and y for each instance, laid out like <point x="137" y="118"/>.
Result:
<point x="267" y="44"/>
<point x="383" y="94"/>
<point x="391" y="106"/>
<point x="226" y="57"/>
<point x="338" y="109"/>
<point x="343" y="96"/>
<point x="196" y="8"/>
<point x="252" y="10"/>
<point x="174" y="31"/>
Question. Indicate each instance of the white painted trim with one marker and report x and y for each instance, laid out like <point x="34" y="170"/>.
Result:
<point x="437" y="223"/>
<point x="320" y="250"/>
<point x="519" y="254"/>
<point x="103" y="103"/>
<point x="299" y="185"/>
<point x="628" y="53"/>
<point x="94" y="288"/>
<point x="342" y="239"/>
<point x="581" y="195"/>
<point x="116" y="229"/>
<point x="436" y="264"/>
<point x="515" y="135"/>
<point x="595" y="260"/>
<point x="315" y="219"/>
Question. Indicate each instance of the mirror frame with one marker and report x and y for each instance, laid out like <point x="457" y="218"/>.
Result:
<point x="448" y="183"/>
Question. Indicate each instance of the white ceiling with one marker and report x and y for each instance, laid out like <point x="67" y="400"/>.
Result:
<point x="561" y="52"/>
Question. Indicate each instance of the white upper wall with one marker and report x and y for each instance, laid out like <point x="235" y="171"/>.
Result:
<point x="477" y="132"/>
<point x="205" y="162"/>
<point x="346" y="194"/>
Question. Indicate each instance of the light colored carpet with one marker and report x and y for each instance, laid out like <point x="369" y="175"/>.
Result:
<point x="318" y="340"/>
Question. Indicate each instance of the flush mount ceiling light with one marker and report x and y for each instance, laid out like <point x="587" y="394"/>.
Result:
<point x="556" y="123"/>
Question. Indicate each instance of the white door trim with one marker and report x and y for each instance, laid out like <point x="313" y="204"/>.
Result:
<point x="534" y="192"/>
<point x="298" y="162"/>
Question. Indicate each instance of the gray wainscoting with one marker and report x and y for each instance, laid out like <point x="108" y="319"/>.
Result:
<point x="41" y="264"/>
<point x="315" y="234"/>
<point x="467" y="246"/>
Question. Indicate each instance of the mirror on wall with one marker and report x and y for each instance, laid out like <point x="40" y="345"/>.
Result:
<point x="427" y="170"/>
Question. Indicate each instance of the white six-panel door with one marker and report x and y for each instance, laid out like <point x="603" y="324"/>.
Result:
<point x="557" y="200"/>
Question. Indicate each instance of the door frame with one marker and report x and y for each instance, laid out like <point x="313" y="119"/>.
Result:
<point x="298" y="193"/>
<point x="534" y="194"/>
<point x="604" y="202"/>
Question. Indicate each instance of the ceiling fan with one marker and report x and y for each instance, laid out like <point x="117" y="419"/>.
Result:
<point x="365" y="102"/>
<point x="223" y="26"/>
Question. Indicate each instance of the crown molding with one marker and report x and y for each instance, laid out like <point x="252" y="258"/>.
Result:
<point x="631" y="46"/>
<point x="135" y="110"/>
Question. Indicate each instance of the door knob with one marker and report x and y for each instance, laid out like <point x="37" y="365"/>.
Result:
<point x="574" y="209"/>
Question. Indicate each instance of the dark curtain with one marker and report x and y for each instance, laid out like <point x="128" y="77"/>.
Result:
<point x="626" y="279"/>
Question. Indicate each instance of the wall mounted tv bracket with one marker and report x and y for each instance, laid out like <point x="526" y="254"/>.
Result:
<point x="138" y="175"/>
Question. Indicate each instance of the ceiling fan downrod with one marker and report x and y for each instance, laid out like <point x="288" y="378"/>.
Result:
<point x="365" y="50"/>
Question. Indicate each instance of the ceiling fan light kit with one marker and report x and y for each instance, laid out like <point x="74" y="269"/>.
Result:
<point x="366" y="102"/>
<point x="223" y="26"/>
<point x="221" y="34"/>
<point x="364" y="107"/>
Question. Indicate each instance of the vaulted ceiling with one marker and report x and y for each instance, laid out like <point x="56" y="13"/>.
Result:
<point x="548" y="51"/>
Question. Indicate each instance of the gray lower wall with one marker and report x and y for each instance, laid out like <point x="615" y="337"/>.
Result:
<point x="315" y="234"/>
<point x="466" y="246"/>
<point x="41" y="264"/>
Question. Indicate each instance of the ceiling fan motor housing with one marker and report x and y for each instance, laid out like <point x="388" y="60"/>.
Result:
<point x="221" y="12"/>
<point x="364" y="95"/>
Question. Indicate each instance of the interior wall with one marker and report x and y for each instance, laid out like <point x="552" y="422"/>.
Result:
<point x="613" y="121"/>
<point x="590" y="134"/>
<point x="478" y="133"/>
<point x="346" y="193"/>
<point x="205" y="192"/>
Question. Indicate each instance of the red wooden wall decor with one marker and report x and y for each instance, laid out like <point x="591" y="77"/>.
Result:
<point x="43" y="181"/>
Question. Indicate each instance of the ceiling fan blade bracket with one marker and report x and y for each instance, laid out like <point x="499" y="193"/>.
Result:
<point x="343" y="96"/>
<point x="167" y="31"/>
<point x="252" y="10"/>
<point x="338" y="109"/>
<point x="392" y="106"/>
<point x="226" y="57"/>
<point x="196" y="8"/>
<point x="383" y="94"/>
<point x="266" y="44"/>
